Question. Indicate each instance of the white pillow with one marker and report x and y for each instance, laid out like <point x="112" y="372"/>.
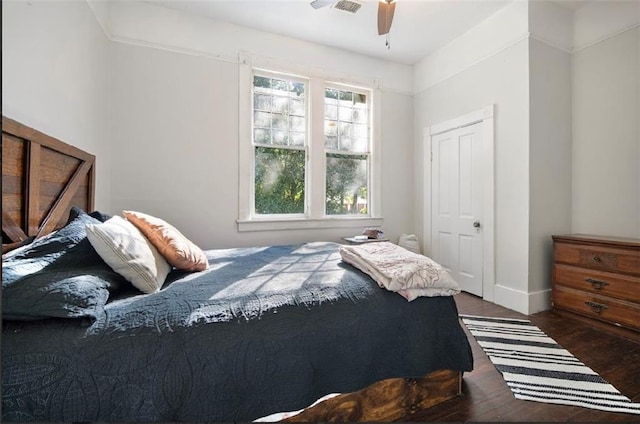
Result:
<point x="123" y="247"/>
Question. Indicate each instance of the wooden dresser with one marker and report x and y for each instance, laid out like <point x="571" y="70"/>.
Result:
<point x="598" y="277"/>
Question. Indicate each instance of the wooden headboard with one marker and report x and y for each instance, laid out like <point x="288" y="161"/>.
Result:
<point x="42" y="179"/>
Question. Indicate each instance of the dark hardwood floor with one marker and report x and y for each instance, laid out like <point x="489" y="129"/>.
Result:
<point x="486" y="396"/>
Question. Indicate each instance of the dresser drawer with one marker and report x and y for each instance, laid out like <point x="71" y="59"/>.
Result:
<point x="598" y="282"/>
<point x="597" y="257"/>
<point x="619" y="312"/>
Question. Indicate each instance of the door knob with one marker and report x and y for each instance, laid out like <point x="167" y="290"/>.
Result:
<point x="476" y="224"/>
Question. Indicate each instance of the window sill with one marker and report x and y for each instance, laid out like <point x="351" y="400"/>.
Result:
<point x="269" y="224"/>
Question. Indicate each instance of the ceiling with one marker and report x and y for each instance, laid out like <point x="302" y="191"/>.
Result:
<point x="419" y="26"/>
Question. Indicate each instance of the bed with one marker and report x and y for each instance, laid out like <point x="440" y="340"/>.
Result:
<point x="263" y="330"/>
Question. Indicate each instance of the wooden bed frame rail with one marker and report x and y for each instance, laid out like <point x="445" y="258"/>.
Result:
<point x="387" y="400"/>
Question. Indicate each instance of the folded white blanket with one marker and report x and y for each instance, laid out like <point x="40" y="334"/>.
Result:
<point x="399" y="270"/>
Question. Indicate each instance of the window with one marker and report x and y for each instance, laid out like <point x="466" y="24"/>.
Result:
<point x="279" y="138"/>
<point x="308" y="149"/>
<point x="346" y="141"/>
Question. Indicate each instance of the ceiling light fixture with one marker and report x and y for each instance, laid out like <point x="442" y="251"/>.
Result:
<point x="386" y="9"/>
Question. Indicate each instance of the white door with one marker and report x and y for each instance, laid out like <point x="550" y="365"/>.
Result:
<point x="456" y="204"/>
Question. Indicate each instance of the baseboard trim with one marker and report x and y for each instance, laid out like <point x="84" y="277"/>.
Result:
<point x="523" y="302"/>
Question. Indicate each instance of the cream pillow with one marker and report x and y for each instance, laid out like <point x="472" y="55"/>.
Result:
<point x="409" y="242"/>
<point x="178" y="250"/>
<point x="123" y="247"/>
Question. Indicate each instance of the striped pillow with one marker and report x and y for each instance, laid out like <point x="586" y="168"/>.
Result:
<point x="123" y="247"/>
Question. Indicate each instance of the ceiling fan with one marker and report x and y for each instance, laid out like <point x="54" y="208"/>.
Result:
<point x="385" y="10"/>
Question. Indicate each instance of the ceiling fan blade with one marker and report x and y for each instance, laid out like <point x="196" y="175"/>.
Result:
<point x="317" y="4"/>
<point x="385" y="15"/>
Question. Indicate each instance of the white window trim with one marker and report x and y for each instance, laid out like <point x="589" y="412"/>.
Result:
<point x="315" y="215"/>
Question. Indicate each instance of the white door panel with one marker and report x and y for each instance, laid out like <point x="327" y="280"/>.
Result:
<point x="457" y="205"/>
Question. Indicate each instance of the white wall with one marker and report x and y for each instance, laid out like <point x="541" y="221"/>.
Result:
<point x="398" y="165"/>
<point x="505" y="28"/>
<point x="175" y="139"/>
<point x="599" y="20"/>
<point x="550" y="43"/>
<point x="606" y="137"/>
<point x="549" y="163"/>
<point x="499" y="78"/>
<point x="54" y="77"/>
<point x="574" y="162"/>
<point x="176" y="125"/>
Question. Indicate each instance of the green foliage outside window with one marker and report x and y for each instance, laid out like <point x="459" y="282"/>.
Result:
<point x="279" y="183"/>
<point x="280" y="137"/>
<point x="346" y="184"/>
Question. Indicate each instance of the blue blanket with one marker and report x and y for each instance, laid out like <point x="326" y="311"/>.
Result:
<point x="263" y="330"/>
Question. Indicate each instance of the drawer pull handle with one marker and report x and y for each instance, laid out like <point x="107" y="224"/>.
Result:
<point x="596" y="307"/>
<point x="597" y="258"/>
<point x="597" y="284"/>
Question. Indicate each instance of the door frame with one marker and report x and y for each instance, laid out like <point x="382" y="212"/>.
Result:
<point x="484" y="116"/>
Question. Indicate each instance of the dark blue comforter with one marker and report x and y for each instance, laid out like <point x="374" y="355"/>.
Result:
<point x="263" y="330"/>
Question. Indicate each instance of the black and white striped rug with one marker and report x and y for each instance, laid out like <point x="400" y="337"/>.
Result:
<point x="536" y="368"/>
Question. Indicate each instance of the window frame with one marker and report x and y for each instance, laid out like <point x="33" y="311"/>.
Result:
<point x="315" y="197"/>
<point x="305" y="148"/>
<point x="370" y="126"/>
